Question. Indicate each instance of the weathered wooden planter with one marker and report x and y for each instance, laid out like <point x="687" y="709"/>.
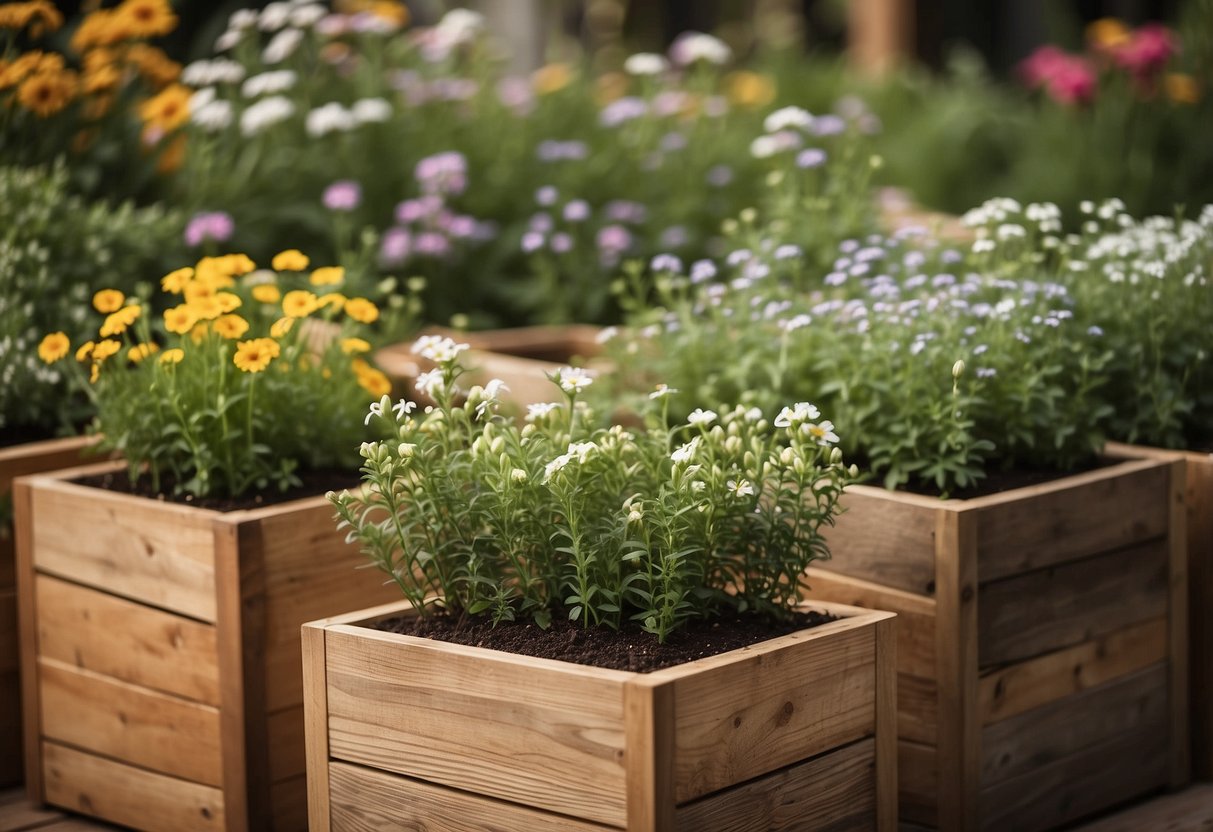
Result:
<point x="1042" y="657"/>
<point x="160" y="652"/>
<point x="408" y="733"/>
<point x="18" y="461"/>
<point x="1199" y="499"/>
<point x="521" y="357"/>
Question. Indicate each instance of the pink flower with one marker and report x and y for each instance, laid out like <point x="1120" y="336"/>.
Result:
<point x="216" y="226"/>
<point x="342" y="195"/>
<point x="1148" y="50"/>
<point x="1068" y="79"/>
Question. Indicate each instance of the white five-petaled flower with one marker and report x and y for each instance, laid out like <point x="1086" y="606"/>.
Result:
<point x="540" y="409"/>
<point x="685" y="452"/>
<point x="740" y="488"/>
<point x="822" y="433"/>
<point x="376" y="409"/>
<point x="645" y="63"/>
<point x="428" y="383"/>
<point x="438" y="348"/>
<point x="796" y="414"/>
<point x="555" y="465"/>
<point x="753" y="414"/>
<point x="573" y="379"/>
<point x="788" y="117"/>
<point x="495" y="388"/>
<point x="661" y="391"/>
<point x="403" y="408"/>
<point x="701" y="417"/>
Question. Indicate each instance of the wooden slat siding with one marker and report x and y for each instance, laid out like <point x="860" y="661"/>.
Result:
<point x="1011" y="690"/>
<point x="127" y="641"/>
<point x="11" y="759"/>
<point x="1071" y="518"/>
<point x="128" y="795"/>
<point x="784" y="721"/>
<point x="917" y="782"/>
<point x="836" y="791"/>
<point x="1200" y="611"/>
<point x="8" y="630"/>
<point x="1177" y="544"/>
<point x="917" y="709"/>
<point x="128" y="723"/>
<point x="38" y="457"/>
<point x="316" y="727"/>
<point x="956" y="642"/>
<point x="1066" y="726"/>
<point x="459" y="718"/>
<point x="149" y="551"/>
<point x="1188" y="811"/>
<point x="1061" y="606"/>
<point x="366" y="800"/>
<point x="27" y="620"/>
<point x="886" y="725"/>
<point x="649" y="720"/>
<point x="1126" y="766"/>
<point x="288" y="805"/>
<point x="884" y="536"/>
<point x="8" y="557"/>
<point x="284" y="739"/>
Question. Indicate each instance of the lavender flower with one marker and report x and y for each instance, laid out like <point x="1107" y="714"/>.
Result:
<point x="666" y="263"/>
<point x="215" y="226"/>
<point x="343" y="195"/>
<point x="810" y="157"/>
<point x="442" y="173"/>
<point x="577" y="211"/>
<point x="395" y="247"/>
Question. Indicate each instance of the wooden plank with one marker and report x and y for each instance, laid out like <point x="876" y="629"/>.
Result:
<point x="127" y="795"/>
<point x="128" y="641"/>
<point x="128" y="723"/>
<point x="956" y="648"/>
<point x="27" y="619"/>
<point x="718" y="743"/>
<point x="836" y="791"/>
<point x="1071" y="518"/>
<point x="8" y="630"/>
<point x="157" y="553"/>
<point x="18" y="812"/>
<point x="886" y="725"/>
<point x="11" y="759"/>
<point x="1061" y="606"/>
<point x="880" y="34"/>
<point x="917" y="709"/>
<point x="1188" y="811"/>
<point x="1200" y="611"/>
<point x="288" y="805"/>
<point x="316" y="727"/>
<point x="284" y="737"/>
<point x="557" y="343"/>
<point x="649" y="719"/>
<point x="38" y="457"/>
<point x="366" y="800"/>
<point x="464" y="717"/>
<point x="1177" y="636"/>
<point x="917" y="782"/>
<point x="885" y="537"/>
<point x="1011" y="690"/>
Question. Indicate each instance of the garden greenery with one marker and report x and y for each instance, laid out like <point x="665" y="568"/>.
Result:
<point x="250" y="378"/>
<point x="467" y="511"/>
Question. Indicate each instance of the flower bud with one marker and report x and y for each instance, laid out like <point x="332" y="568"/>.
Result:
<point x="406" y="449"/>
<point x="835" y="455"/>
<point x="957" y="369"/>
<point x="518" y="475"/>
<point x="786" y="456"/>
<point x="854" y="470"/>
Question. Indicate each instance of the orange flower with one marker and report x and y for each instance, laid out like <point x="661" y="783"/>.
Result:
<point x="374" y="382"/>
<point x="46" y="93"/>
<point x="299" y="304"/>
<point x="104" y="349"/>
<point x="175" y="281"/>
<point x="39" y="15"/>
<point x="353" y="346"/>
<point x="103" y="78"/>
<point x="362" y="310"/>
<point x="228" y="301"/>
<point x="206" y="307"/>
<point x="1107" y="34"/>
<point x="147" y="18"/>
<point x="267" y="293"/>
<point x="236" y="264"/>
<point x="551" y="78"/>
<point x="103" y="27"/>
<point x="230" y="326"/>
<point x="254" y="356"/>
<point x="749" y="89"/>
<point x="13" y="73"/>
<point x="173" y="356"/>
<point x="156" y="67"/>
<point x="120" y="321"/>
<point x="328" y="276"/>
<point x="180" y="319"/>
<point x="333" y="299"/>
<point x="282" y="327"/>
<point x="291" y="260"/>
<point x="85" y="351"/>
<point x="54" y="347"/>
<point x="141" y="351"/>
<point x="108" y="300"/>
<point x="167" y="110"/>
<point x="1181" y="88"/>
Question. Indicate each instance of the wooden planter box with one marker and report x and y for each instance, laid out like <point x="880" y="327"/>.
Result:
<point x="1042" y="657"/>
<point x="520" y="357"/>
<point x="18" y="461"/>
<point x="408" y="733"/>
<point x="160" y="652"/>
<point x="1199" y="500"/>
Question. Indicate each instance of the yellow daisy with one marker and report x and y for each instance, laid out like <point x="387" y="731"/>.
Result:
<point x="141" y="351"/>
<point x="230" y="326"/>
<point x="175" y="281"/>
<point x="299" y="304"/>
<point x="173" y="356"/>
<point x="362" y="310"/>
<point x="291" y="260"/>
<point x="267" y="293"/>
<point x="328" y="276"/>
<point x="281" y="327"/>
<point x="53" y="347"/>
<point x="353" y="346"/>
<point x="117" y="323"/>
<point x="180" y="319"/>
<point x="108" y="300"/>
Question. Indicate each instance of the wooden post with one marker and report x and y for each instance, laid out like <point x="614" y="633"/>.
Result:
<point x="316" y="728"/>
<point x="649" y="745"/>
<point x="880" y="33"/>
<point x="31" y="720"/>
<point x="1177" y="544"/>
<point x="886" y="726"/>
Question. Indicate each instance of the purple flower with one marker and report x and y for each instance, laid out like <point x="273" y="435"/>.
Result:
<point x="532" y="241"/>
<point x="433" y="244"/>
<point x="343" y="195"/>
<point x="666" y="263"/>
<point x="216" y="226"/>
<point x="442" y="173"/>
<point x="561" y="242"/>
<point x="1094" y="330"/>
<point x="461" y="226"/>
<point x="546" y="195"/>
<point x="810" y="157"/>
<point x="541" y="222"/>
<point x="623" y="210"/>
<point x="516" y="93"/>
<point x="787" y="252"/>
<point x="673" y="141"/>
<point x="577" y="211"/>
<point x="702" y="270"/>
<point x="720" y="175"/>
<point x="675" y="236"/>
<point x="551" y="150"/>
<point x="622" y="110"/>
<point x="395" y="247"/>
<point x="828" y="125"/>
<point x="612" y="241"/>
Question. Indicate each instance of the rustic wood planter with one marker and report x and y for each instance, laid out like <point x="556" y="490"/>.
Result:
<point x="1042" y="657"/>
<point x="408" y="733"/>
<point x="18" y="461"/>
<point x="520" y="357"/>
<point x="160" y="652"/>
<point x="1199" y="500"/>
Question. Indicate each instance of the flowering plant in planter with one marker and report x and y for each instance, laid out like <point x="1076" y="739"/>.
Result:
<point x="467" y="511"/>
<point x="215" y="405"/>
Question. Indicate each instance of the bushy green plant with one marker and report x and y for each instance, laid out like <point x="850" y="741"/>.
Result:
<point x="467" y="511"/>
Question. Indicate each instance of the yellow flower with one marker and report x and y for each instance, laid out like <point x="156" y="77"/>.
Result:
<point x="108" y="300"/>
<point x="551" y="78"/>
<point x="103" y="78"/>
<point x="1108" y="33"/>
<point x="117" y="323"/>
<point x="328" y="276"/>
<point x="12" y="74"/>
<point x="214" y="273"/>
<point x="610" y="86"/>
<point x="39" y="15"/>
<point x="53" y="347"/>
<point x="374" y="382"/>
<point x="148" y="18"/>
<point x="254" y="356"/>
<point x="749" y="89"/>
<point x="199" y="331"/>
<point x="100" y="28"/>
<point x="352" y="346"/>
<point x="157" y="68"/>
<point x="172" y="156"/>
<point x="228" y="301"/>
<point x="94" y="373"/>
<point x="1181" y="88"/>
<point x="267" y="293"/>
<point x="206" y="307"/>
<point x="236" y="264"/>
<point x="231" y="326"/>
<point x="46" y="93"/>
<point x="85" y="352"/>
<point x="173" y="356"/>
<point x="281" y="327"/>
<point x="141" y="351"/>
<point x="362" y="310"/>
<point x="175" y="281"/>
<point x="105" y="349"/>
<point x="300" y="303"/>
<point x="168" y="109"/>
<point x="180" y="319"/>
<point x="334" y="299"/>
<point x="291" y="260"/>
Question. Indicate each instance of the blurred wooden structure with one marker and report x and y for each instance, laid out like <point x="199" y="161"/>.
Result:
<point x="880" y="33"/>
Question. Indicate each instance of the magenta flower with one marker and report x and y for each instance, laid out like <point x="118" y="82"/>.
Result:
<point x="343" y="195"/>
<point x="1069" y="79"/>
<point x="214" y="226"/>
<point x="395" y="247"/>
<point x="1148" y="51"/>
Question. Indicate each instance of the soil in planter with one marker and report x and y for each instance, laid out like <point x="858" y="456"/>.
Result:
<point x="628" y="649"/>
<point x="998" y="480"/>
<point x="314" y="483"/>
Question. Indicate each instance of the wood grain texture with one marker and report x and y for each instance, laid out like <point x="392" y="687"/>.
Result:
<point x="128" y="723"/>
<point x="27" y="620"/>
<point x="718" y="742"/>
<point x="836" y="791"/>
<point x="1188" y="811"/>
<point x="1071" y="518"/>
<point x="288" y="805"/>
<point x="649" y="724"/>
<point x="1200" y="611"/>
<point x="156" y="553"/>
<point x="316" y="727"/>
<point x="285" y="740"/>
<point x="130" y="642"/>
<point x="886" y="725"/>
<point x="917" y="782"/>
<point x="128" y="795"/>
<point x="885" y="537"/>
<point x="39" y="457"/>
<point x="1058" y="607"/>
<point x="1011" y="690"/>
<point x="1180" y="745"/>
<point x="880" y="34"/>
<point x="366" y="800"/>
<point x="543" y="733"/>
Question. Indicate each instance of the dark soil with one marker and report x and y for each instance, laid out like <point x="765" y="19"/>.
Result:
<point x="998" y="480"/>
<point x="314" y="482"/>
<point x="629" y="649"/>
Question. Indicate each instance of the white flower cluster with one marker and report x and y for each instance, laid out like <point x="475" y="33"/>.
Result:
<point x="438" y="348"/>
<point x="784" y="129"/>
<point x="691" y="47"/>
<point x="337" y="118"/>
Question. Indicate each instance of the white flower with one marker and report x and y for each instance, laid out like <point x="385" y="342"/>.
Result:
<point x="403" y="408"/>
<point x="227" y="40"/>
<point x="368" y="110"/>
<point x="699" y="416"/>
<point x="581" y="450"/>
<point x="212" y="117"/>
<point x="690" y="47"/>
<point x="217" y="71"/>
<point x="662" y="391"/>
<point x="764" y="147"/>
<point x="307" y="15"/>
<point x="796" y="414"/>
<point x="555" y="465"/>
<point x="438" y="348"/>
<point x="606" y="334"/>
<point x="685" y="452"/>
<point x="753" y="414"/>
<point x="645" y="63"/>
<point x="281" y="46"/>
<point x="698" y="485"/>
<point x="518" y="475"/>
<point x="823" y="433"/>
<point x="429" y="383"/>
<point x="265" y="113"/>
<point x="274" y="16"/>
<point x="329" y="118"/>
<point x="540" y="409"/>
<point x="266" y="83"/>
<point x="495" y="388"/>
<point x="574" y="379"/>
<point x="788" y="117"/>
<point x="740" y="488"/>
<point x="406" y="449"/>
<point x="795" y="323"/>
<point x="201" y="98"/>
<point x="242" y="19"/>
<point x="634" y="516"/>
<point x="376" y="409"/>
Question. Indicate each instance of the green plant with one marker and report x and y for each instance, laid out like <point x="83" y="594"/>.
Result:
<point x="468" y="511"/>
